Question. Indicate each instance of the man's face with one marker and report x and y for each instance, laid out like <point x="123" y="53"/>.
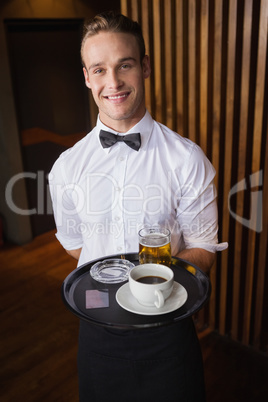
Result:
<point x="116" y="76"/>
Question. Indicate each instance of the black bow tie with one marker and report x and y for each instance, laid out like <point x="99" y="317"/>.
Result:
<point x="108" y="139"/>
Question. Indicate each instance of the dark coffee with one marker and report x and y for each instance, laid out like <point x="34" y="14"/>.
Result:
<point x="151" y="280"/>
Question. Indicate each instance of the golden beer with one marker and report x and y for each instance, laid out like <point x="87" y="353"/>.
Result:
<point x="154" y="248"/>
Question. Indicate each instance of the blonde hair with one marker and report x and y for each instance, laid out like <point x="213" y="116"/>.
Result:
<point x="111" y="22"/>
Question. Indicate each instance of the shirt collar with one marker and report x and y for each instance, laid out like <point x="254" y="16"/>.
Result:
<point x="144" y="127"/>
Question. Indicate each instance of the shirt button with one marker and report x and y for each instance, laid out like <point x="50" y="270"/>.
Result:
<point x="121" y="158"/>
<point x="117" y="218"/>
<point x="119" y="248"/>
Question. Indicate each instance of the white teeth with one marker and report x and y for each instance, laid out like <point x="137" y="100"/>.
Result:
<point x="117" y="97"/>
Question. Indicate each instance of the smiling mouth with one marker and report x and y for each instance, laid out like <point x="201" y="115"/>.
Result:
<point x="116" y="97"/>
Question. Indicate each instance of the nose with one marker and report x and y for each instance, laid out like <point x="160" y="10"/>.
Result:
<point x="114" y="80"/>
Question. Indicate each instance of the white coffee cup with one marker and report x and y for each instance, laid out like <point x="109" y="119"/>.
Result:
<point x="151" y="284"/>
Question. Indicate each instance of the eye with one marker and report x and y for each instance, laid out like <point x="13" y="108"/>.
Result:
<point x="125" y="66"/>
<point x="98" y="71"/>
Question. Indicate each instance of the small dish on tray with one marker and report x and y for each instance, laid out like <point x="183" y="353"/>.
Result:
<point x="111" y="270"/>
<point x="128" y="302"/>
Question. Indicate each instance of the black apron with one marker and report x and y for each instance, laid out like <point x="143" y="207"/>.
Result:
<point x="161" y="364"/>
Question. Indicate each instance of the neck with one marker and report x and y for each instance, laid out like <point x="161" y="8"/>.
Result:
<point x="121" y="126"/>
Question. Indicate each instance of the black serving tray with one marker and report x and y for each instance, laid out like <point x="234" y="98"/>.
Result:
<point x="74" y="288"/>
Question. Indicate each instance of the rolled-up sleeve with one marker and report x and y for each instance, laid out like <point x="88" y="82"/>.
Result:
<point x="197" y="212"/>
<point x="65" y="214"/>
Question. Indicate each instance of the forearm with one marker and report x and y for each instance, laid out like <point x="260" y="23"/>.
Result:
<point x="202" y="258"/>
<point x="74" y="253"/>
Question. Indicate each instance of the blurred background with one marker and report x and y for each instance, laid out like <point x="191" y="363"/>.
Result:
<point x="209" y="83"/>
<point x="45" y="106"/>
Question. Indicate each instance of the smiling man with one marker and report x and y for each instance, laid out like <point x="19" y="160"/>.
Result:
<point x="127" y="172"/>
<point x="115" y="74"/>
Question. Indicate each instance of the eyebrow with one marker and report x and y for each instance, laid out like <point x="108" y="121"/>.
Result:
<point x="124" y="59"/>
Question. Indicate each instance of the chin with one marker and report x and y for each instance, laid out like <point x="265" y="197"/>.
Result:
<point x="121" y="116"/>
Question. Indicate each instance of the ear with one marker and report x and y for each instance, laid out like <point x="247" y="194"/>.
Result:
<point x="87" y="82"/>
<point x="146" y="66"/>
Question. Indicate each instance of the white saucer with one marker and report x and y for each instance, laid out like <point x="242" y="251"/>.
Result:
<point x="128" y="302"/>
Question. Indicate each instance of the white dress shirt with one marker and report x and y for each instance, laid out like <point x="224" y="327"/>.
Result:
<point x="102" y="197"/>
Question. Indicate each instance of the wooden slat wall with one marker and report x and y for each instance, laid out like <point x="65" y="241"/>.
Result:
<point x="210" y="84"/>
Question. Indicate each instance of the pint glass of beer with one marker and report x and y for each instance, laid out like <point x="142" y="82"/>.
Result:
<point x="154" y="246"/>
